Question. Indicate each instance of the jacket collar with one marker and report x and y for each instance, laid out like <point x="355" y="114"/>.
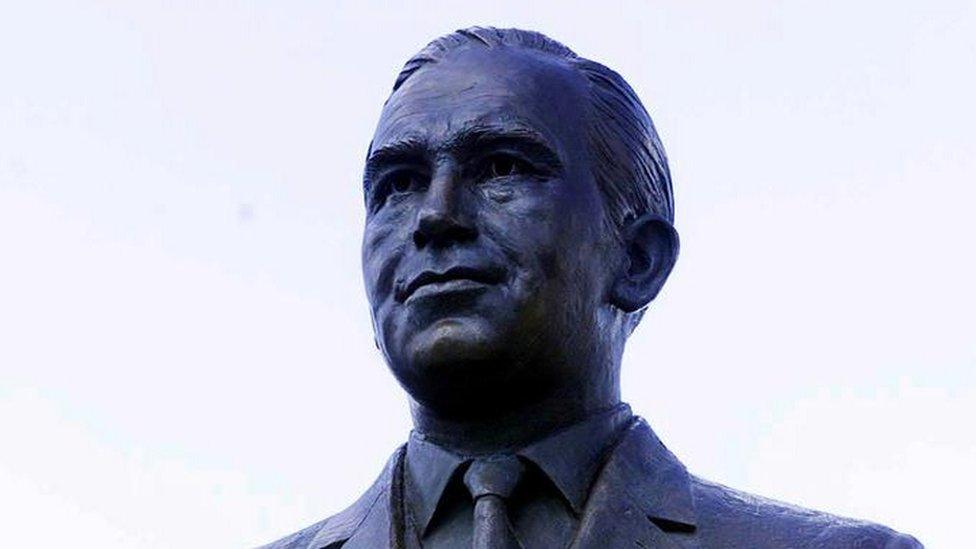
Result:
<point x="365" y="517"/>
<point x="642" y="496"/>
<point x="570" y="457"/>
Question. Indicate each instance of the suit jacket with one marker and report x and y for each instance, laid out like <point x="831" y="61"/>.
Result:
<point x="643" y="497"/>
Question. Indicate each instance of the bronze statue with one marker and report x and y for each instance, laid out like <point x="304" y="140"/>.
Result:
<point x="519" y="222"/>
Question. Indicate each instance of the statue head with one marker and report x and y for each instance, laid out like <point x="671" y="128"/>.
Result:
<point x="519" y="221"/>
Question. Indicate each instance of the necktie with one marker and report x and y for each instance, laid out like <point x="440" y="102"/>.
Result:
<point x="491" y="481"/>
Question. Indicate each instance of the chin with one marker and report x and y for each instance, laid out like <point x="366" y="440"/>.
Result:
<point x="449" y="344"/>
<point x="453" y="362"/>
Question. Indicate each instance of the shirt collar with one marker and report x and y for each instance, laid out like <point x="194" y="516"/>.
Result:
<point x="570" y="457"/>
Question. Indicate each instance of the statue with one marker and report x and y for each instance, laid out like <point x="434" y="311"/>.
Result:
<point x="519" y="222"/>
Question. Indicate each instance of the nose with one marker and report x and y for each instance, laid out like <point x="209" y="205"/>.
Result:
<point x="443" y="219"/>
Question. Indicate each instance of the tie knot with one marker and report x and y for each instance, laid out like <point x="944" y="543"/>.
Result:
<point x="495" y="475"/>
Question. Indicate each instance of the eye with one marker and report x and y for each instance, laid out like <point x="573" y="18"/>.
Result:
<point x="503" y="165"/>
<point x="400" y="182"/>
<point x="403" y="182"/>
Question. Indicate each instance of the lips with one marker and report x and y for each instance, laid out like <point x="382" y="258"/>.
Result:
<point x="453" y="275"/>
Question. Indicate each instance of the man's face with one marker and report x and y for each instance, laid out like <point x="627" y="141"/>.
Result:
<point x="484" y="252"/>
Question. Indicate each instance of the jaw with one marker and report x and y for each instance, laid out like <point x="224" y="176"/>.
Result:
<point x="449" y="343"/>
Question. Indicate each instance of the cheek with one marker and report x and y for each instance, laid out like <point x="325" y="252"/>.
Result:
<point x="390" y="223"/>
<point x="525" y="229"/>
<point x="554" y="238"/>
<point x="383" y="248"/>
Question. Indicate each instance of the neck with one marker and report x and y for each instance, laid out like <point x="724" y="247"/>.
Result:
<point x="510" y="428"/>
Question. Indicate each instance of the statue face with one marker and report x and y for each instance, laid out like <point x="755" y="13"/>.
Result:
<point x="484" y="252"/>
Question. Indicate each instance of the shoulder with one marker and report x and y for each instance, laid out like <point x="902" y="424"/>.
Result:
<point x="730" y="518"/>
<point x="298" y="540"/>
<point x="341" y="525"/>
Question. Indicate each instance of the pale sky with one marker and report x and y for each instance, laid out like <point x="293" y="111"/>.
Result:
<point x="186" y="358"/>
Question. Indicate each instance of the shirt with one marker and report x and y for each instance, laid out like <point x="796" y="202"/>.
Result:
<point x="546" y="506"/>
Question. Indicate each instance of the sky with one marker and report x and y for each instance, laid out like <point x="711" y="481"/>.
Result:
<point x="186" y="358"/>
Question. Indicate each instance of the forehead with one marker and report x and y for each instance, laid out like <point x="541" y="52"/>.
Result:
<point x="500" y="86"/>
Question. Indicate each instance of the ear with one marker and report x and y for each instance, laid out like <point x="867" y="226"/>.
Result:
<point x="649" y="253"/>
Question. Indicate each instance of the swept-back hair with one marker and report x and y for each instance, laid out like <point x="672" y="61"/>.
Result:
<point x="627" y="157"/>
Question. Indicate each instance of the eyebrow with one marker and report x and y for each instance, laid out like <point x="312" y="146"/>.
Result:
<point x="405" y="150"/>
<point x="466" y="144"/>
<point x="478" y="138"/>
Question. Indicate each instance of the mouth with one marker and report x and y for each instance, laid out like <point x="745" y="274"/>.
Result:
<point x="453" y="279"/>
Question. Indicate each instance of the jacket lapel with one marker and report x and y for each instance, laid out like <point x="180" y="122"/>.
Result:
<point x="374" y="532"/>
<point x="365" y="524"/>
<point x="641" y="498"/>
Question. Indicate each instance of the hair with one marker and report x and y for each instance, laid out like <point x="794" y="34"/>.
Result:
<point x="626" y="154"/>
